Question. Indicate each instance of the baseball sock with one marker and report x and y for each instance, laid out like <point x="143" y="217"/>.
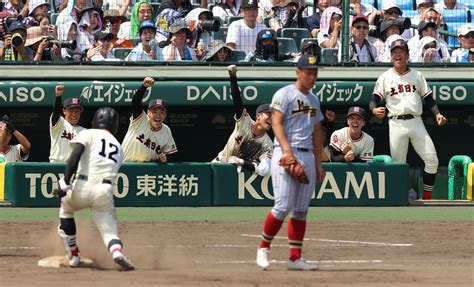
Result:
<point x="270" y="229"/>
<point x="428" y="183"/>
<point x="296" y="230"/>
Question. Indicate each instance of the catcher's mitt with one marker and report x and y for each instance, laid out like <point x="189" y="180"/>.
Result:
<point x="294" y="168"/>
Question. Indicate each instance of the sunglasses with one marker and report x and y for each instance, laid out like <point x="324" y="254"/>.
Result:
<point x="363" y="27"/>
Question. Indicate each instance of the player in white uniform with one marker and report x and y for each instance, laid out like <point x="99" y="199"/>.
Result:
<point x="148" y="138"/>
<point x="351" y="144"/>
<point x="404" y="90"/>
<point x="97" y="156"/>
<point x="296" y="123"/>
<point x="12" y="153"/>
<point x="63" y="129"/>
<point x="249" y="145"/>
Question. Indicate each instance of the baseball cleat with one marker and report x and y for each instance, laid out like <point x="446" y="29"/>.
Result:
<point x="74" y="261"/>
<point x="300" y="264"/>
<point x="262" y="258"/>
<point x="124" y="262"/>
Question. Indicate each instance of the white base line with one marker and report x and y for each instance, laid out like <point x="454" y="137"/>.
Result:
<point x="377" y="261"/>
<point x="344" y="241"/>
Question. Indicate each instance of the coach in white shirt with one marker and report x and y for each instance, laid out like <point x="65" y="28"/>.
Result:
<point x="242" y="34"/>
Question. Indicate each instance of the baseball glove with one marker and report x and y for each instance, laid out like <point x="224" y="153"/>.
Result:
<point x="294" y="168"/>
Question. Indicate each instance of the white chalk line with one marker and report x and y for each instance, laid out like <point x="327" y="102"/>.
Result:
<point x="348" y="261"/>
<point x="343" y="241"/>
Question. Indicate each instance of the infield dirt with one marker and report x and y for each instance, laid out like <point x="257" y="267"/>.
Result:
<point x="222" y="254"/>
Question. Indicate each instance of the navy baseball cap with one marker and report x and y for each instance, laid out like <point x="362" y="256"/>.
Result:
<point x="157" y="103"/>
<point x="308" y="61"/>
<point x="357" y="111"/>
<point x="16" y="25"/>
<point x="399" y="43"/>
<point x="72" y="103"/>
<point x="265" y="108"/>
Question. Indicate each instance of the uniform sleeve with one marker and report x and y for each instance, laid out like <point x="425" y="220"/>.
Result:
<point x="18" y="152"/>
<point x="279" y="102"/>
<point x="379" y="87"/>
<point x="170" y="146"/>
<point x="423" y="86"/>
<point x="368" y="152"/>
<point x="335" y="141"/>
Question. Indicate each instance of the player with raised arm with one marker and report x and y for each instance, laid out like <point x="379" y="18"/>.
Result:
<point x="148" y="139"/>
<point x="249" y="145"/>
<point x="404" y="90"/>
<point x="95" y="160"/>
<point x="63" y="129"/>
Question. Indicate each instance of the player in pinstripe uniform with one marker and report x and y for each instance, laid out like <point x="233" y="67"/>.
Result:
<point x="351" y="144"/>
<point x="148" y="138"/>
<point x="296" y="123"/>
<point x="404" y="90"/>
<point x="63" y="129"/>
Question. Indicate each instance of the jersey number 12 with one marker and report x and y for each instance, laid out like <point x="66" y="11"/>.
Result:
<point x="110" y="154"/>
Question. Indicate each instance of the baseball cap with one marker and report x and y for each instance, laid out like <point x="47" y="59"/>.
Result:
<point x="147" y="24"/>
<point x="72" y="103"/>
<point x="16" y="25"/>
<point x="465" y="29"/>
<point x="390" y="4"/>
<point x="266" y="34"/>
<point x="360" y="17"/>
<point x="265" y="108"/>
<point x="400" y="43"/>
<point x="357" y="111"/>
<point x="249" y="4"/>
<point x="424" y="24"/>
<point x="308" y="61"/>
<point x="157" y="103"/>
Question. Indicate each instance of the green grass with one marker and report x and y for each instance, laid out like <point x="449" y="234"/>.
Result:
<point x="254" y="214"/>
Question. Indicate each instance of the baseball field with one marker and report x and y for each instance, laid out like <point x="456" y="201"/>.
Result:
<point x="378" y="246"/>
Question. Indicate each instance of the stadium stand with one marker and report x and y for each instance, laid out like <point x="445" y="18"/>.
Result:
<point x="406" y="5"/>
<point x="297" y="34"/>
<point x="266" y="21"/>
<point x="287" y="45"/>
<point x="121" y="53"/>
<point x="221" y="34"/>
<point x="235" y="18"/>
<point x="371" y="2"/>
<point x="410" y="13"/>
<point x="455" y="16"/>
<point x="453" y="27"/>
<point x="468" y="3"/>
<point x="238" y="55"/>
<point x="53" y="17"/>
<point x="329" y="56"/>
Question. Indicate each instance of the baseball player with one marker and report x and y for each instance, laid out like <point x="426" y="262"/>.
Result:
<point x="296" y="123"/>
<point x="12" y="153"/>
<point x="97" y="157"/>
<point x="148" y="138"/>
<point x="249" y="145"/>
<point x="351" y="144"/>
<point x="404" y="90"/>
<point x="63" y="129"/>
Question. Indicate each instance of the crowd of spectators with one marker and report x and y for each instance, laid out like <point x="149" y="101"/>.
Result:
<point x="181" y="30"/>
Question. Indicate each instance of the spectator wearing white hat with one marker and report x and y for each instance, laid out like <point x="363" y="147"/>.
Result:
<point x="429" y="29"/>
<point x="427" y="52"/>
<point x="421" y="6"/>
<point x="450" y="5"/>
<point x="466" y="38"/>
